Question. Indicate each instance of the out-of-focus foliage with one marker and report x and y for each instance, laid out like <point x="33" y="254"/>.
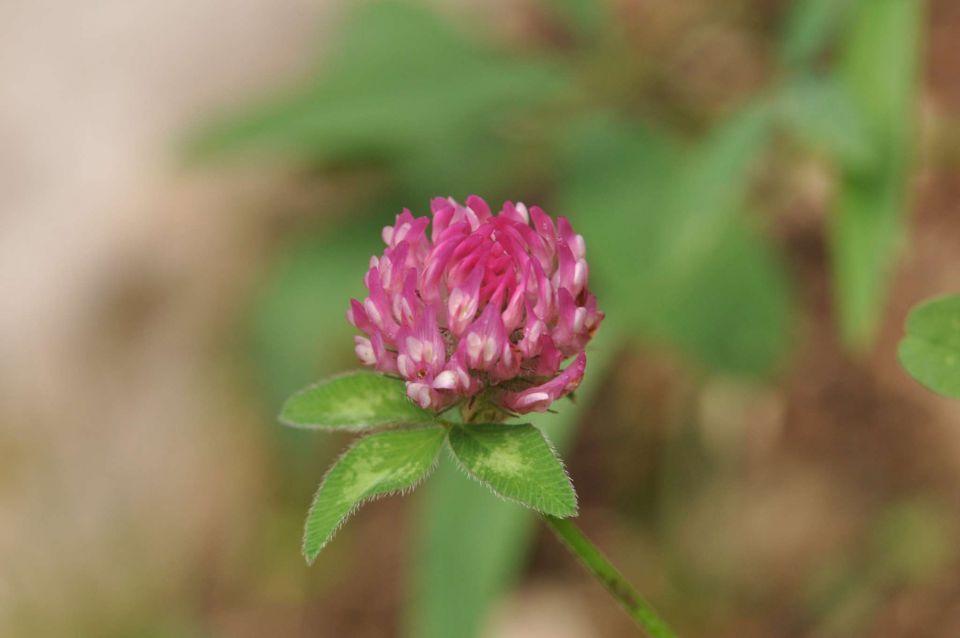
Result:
<point x="298" y="335"/>
<point x="811" y="26"/>
<point x="406" y="89"/>
<point x="491" y="540"/>
<point x="586" y="18"/>
<point x="859" y="113"/>
<point x="670" y="246"/>
<point x="931" y="350"/>
<point x="878" y="66"/>
<point x="820" y="112"/>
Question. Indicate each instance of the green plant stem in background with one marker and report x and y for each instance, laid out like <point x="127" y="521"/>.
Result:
<point x="608" y="575"/>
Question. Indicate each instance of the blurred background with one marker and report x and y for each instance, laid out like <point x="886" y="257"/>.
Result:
<point x="190" y="192"/>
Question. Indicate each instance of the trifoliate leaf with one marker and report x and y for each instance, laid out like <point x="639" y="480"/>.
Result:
<point x="516" y="462"/>
<point x="376" y="465"/>
<point x="354" y="401"/>
<point x="931" y="350"/>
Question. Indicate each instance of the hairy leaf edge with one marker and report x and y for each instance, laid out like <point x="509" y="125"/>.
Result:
<point x="363" y="501"/>
<point x="576" y="499"/>
<point x="399" y="421"/>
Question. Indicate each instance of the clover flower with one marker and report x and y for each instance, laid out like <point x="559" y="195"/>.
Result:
<point x="472" y="305"/>
<point x="476" y="310"/>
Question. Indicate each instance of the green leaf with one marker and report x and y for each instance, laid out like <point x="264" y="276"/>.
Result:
<point x="733" y="313"/>
<point x="487" y="161"/>
<point x="516" y="462"/>
<point x="710" y="190"/>
<point x="810" y="26"/>
<point x="678" y="260"/>
<point x="587" y="18"/>
<point x="931" y="349"/>
<point x="400" y="76"/>
<point x="376" y="465"/>
<point x="878" y="68"/>
<point x="297" y="334"/>
<point x="613" y="188"/>
<point x="353" y="401"/>
<point x="821" y="113"/>
<point x="468" y="549"/>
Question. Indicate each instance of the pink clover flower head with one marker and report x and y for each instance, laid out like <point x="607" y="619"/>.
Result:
<point x="468" y="304"/>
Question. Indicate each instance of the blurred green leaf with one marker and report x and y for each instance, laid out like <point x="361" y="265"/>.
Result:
<point x="879" y="69"/>
<point x="400" y="77"/>
<point x="668" y="244"/>
<point x="931" y="349"/>
<point x="709" y="192"/>
<point x="353" y="401"/>
<point x="821" y="113"/>
<point x="375" y="465"/>
<point x="583" y="17"/>
<point x="515" y="461"/>
<point x="734" y="312"/>
<point x="469" y="547"/>
<point x="299" y="329"/>
<point x="486" y="161"/>
<point x="810" y="26"/>
<point x="471" y="544"/>
<point x="614" y="188"/>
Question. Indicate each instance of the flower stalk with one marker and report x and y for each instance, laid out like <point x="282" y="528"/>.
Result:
<point x="608" y="575"/>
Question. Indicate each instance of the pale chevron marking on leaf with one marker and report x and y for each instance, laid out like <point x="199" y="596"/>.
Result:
<point x="516" y="462"/>
<point x="353" y="401"/>
<point x="506" y="459"/>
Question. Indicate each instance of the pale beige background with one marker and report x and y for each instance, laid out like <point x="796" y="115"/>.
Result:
<point x="116" y="463"/>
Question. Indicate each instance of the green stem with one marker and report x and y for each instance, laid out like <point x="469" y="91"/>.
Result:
<point x="601" y="568"/>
